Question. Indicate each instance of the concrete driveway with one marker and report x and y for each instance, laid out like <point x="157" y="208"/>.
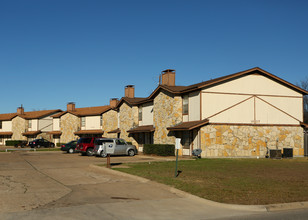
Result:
<point x="56" y="185"/>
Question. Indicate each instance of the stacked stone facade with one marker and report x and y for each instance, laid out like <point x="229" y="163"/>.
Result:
<point x="19" y="126"/>
<point x="128" y="119"/>
<point x="249" y="141"/>
<point x="110" y="122"/>
<point x="69" y="124"/>
<point x="167" y="113"/>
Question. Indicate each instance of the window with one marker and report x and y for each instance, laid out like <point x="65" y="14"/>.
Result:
<point x="120" y="142"/>
<point x="185" y="104"/>
<point x="83" y="121"/>
<point x="30" y="124"/>
<point x="0" y="124"/>
<point x="101" y="120"/>
<point x="140" y="113"/>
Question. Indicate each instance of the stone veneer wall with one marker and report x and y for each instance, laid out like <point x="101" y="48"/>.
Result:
<point x="249" y="141"/>
<point x="110" y="122"/>
<point x="18" y="127"/>
<point x="167" y="113"/>
<point x="128" y="120"/>
<point x="69" y="124"/>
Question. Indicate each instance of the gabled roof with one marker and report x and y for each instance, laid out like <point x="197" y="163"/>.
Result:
<point x="38" y="114"/>
<point x="29" y="115"/>
<point x="88" y="111"/>
<point x="7" y="117"/>
<point x="132" y="101"/>
<point x="179" y="90"/>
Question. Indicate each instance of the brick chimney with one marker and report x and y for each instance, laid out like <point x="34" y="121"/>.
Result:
<point x="20" y="110"/>
<point x="113" y="102"/>
<point x="70" y="106"/>
<point x="168" y="77"/>
<point x="130" y="91"/>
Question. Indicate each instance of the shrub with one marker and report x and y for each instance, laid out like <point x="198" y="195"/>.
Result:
<point x="14" y="142"/>
<point x="159" y="149"/>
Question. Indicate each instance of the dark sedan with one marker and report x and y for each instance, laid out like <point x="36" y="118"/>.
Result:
<point x="69" y="147"/>
<point x="40" y="143"/>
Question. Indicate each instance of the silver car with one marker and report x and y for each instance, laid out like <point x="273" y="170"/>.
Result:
<point x="113" y="146"/>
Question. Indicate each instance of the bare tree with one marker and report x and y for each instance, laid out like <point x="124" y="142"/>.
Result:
<point x="304" y="85"/>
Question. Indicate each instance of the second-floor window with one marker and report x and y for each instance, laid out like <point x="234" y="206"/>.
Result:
<point x="140" y="113"/>
<point x="0" y="124"/>
<point x="185" y="104"/>
<point x="101" y="120"/>
<point x="83" y="121"/>
<point x="30" y="124"/>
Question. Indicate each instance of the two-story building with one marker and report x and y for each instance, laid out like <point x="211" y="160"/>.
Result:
<point x="26" y="125"/>
<point x="83" y="122"/>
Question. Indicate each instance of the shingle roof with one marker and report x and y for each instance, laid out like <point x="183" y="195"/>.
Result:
<point x="6" y="133"/>
<point x="7" y="117"/>
<point x="140" y="129"/>
<point x="88" y="111"/>
<point x="116" y="131"/>
<point x="28" y="133"/>
<point x="186" y="126"/>
<point x="89" y="132"/>
<point x="38" y="114"/>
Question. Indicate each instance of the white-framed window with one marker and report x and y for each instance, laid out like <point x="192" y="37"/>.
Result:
<point x="30" y="124"/>
<point x="101" y="120"/>
<point x="185" y="104"/>
<point x="83" y="121"/>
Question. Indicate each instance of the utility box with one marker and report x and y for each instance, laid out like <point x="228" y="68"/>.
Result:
<point x="287" y="153"/>
<point x="275" y="154"/>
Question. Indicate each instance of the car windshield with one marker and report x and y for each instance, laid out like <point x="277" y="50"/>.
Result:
<point x="84" y="140"/>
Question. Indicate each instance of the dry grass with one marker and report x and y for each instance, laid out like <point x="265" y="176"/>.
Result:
<point x="236" y="181"/>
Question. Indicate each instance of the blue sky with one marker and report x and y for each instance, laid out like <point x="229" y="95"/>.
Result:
<point x="58" y="51"/>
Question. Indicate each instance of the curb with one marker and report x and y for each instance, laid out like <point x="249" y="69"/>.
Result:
<point x="180" y="193"/>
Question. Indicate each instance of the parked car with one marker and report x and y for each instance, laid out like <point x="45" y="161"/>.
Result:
<point x="40" y="143"/>
<point x="21" y="144"/>
<point x="113" y="146"/>
<point x="85" y="146"/>
<point x="69" y="147"/>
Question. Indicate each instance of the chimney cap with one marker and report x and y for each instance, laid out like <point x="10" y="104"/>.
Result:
<point x="129" y="86"/>
<point x="71" y="103"/>
<point x="168" y="70"/>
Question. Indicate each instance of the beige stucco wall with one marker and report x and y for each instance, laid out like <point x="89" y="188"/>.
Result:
<point x="128" y="119"/>
<point x="45" y="124"/>
<point x="6" y="126"/>
<point x="249" y="141"/>
<point x="92" y="122"/>
<point x="110" y="122"/>
<point x="252" y="99"/>
<point x="69" y="124"/>
<point x="254" y="84"/>
<point x="56" y="124"/>
<point x="147" y="114"/>
<point x="18" y="127"/>
<point x="167" y="113"/>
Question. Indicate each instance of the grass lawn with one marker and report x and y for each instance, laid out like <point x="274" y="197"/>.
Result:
<point x="235" y="181"/>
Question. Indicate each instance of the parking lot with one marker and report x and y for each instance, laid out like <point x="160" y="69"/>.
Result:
<point x="57" y="185"/>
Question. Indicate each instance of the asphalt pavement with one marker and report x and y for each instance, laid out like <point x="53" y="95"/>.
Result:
<point x="56" y="185"/>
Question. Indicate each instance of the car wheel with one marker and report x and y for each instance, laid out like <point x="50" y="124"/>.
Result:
<point x="131" y="152"/>
<point x="38" y="146"/>
<point x="90" y="151"/>
<point x="103" y="154"/>
<point x="52" y="145"/>
<point x="70" y="151"/>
